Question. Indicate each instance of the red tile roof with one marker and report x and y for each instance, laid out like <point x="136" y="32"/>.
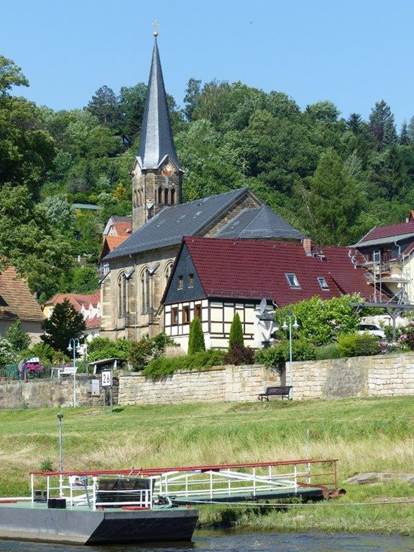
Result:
<point x="256" y="268"/>
<point x="122" y="228"/>
<point x="389" y="231"/>
<point x="77" y="299"/>
<point x="19" y="300"/>
<point x="112" y="242"/>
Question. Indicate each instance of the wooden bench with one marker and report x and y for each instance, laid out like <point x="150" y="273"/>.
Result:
<point x="282" y="391"/>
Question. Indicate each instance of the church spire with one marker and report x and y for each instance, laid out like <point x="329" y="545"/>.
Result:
<point x="156" y="142"/>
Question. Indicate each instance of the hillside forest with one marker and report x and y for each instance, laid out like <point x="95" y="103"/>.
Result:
<point x="331" y="177"/>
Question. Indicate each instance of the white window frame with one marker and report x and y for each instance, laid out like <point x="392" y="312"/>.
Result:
<point x="295" y="284"/>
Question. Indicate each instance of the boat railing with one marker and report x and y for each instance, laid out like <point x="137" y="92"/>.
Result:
<point x="86" y="491"/>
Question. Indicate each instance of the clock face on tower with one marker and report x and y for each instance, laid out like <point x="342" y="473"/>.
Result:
<point x="168" y="170"/>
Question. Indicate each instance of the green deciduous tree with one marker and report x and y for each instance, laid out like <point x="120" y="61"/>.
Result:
<point x="18" y="337"/>
<point x="65" y="323"/>
<point x="196" y="338"/>
<point x="322" y="321"/>
<point x="28" y="241"/>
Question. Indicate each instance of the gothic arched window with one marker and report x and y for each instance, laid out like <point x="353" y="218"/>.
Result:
<point x="167" y="272"/>
<point x="122" y="295"/>
<point x="145" y="291"/>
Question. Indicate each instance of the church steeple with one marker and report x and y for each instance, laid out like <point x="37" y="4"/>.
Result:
<point x="156" y="135"/>
<point x="157" y="174"/>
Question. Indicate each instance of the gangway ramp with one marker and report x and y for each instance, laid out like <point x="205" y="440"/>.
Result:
<point x="305" y="479"/>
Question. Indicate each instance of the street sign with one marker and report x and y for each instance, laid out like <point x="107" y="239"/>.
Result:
<point x="106" y="378"/>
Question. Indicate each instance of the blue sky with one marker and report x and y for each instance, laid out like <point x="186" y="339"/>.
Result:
<point x="350" y="52"/>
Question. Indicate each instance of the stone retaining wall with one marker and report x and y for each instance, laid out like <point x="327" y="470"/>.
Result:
<point x="47" y="393"/>
<point x="224" y="383"/>
<point x="374" y="376"/>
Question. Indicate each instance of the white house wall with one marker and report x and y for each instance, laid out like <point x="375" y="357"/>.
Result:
<point x="216" y="319"/>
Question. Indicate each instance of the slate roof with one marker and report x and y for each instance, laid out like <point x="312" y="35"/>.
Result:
<point x="19" y="300"/>
<point x="253" y="269"/>
<point x="259" y="223"/>
<point x="385" y="234"/>
<point x="172" y="223"/>
<point x="156" y="135"/>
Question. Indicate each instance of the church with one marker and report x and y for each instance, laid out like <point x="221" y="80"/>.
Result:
<point x="137" y="271"/>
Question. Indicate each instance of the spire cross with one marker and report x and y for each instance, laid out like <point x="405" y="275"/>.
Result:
<point x="155" y="28"/>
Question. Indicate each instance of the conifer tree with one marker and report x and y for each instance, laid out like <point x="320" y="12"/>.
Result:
<point x="381" y="123"/>
<point x="236" y="333"/>
<point x="64" y="324"/>
<point x="196" y="342"/>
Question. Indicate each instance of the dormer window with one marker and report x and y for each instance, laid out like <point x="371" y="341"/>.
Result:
<point x="191" y="280"/>
<point x="323" y="284"/>
<point x="292" y="280"/>
<point x="180" y="282"/>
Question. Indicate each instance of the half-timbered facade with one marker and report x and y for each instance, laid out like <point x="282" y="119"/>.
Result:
<point x="215" y="278"/>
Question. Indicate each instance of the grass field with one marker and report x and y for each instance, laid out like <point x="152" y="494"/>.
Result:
<point x="364" y="434"/>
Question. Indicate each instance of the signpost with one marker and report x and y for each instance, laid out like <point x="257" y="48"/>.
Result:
<point x="106" y="382"/>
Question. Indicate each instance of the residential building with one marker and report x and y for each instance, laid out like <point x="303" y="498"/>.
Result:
<point x="18" y="303"/>
<point x="387" y="253"/>
<point x="135" y="272"/>
<point x="215" y="278"/>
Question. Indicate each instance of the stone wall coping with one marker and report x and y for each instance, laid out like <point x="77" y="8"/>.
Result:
<point x="220" y="368"/>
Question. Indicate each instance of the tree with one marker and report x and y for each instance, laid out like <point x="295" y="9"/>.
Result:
<point x="28" y="241"/>
<point x="381" y="122"/>
<point x="236" y="333"/>
<point x="404" y="139"/>
<point x="196" y="338"/>
<point x="10" y="75"/>
<point x="18" y="337"/>
<point x="104" y="106"/>
<point x="333" y="202"/>
<point x="65" y="323"/>
<point x="192" y="95"/>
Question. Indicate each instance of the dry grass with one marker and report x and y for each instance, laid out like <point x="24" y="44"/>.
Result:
<point x="364" y="434"/>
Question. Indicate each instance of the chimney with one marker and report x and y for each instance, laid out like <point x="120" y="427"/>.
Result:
<point x="307" y="246"/>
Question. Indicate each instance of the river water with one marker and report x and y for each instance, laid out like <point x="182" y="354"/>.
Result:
<point x="208" y="541"/>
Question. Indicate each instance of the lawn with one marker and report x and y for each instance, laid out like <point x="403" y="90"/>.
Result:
<point x="364" y="434"/>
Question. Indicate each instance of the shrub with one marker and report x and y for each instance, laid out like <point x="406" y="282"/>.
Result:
<point x="102" y="347"/>
<point x="236" y="333"/>
<point x="327" y="351"/>
<point x="277" y="355"/>
<point x="143" y="351"/>
<point x="322" y="321"/>
<point x="239" y="355"/>
<point x="407" y="338"/>
<point x="162" y="366"/>
<point x="196" y="337"/>
<point x="45" y="353"/>
<point x="358" y="345"/>
<point x="17" y="336"/>
<point x="7" y="353"/>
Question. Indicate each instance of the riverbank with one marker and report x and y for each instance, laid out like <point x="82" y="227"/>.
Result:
<point x="364" y="434"/>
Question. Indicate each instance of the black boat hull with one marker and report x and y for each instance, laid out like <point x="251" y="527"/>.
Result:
<point x="100" y="527"/>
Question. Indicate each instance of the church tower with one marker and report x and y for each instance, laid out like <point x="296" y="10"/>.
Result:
<point x="157" y="174"/>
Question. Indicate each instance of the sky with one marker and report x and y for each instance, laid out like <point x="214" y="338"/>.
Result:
<point x="352" y="53"/>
